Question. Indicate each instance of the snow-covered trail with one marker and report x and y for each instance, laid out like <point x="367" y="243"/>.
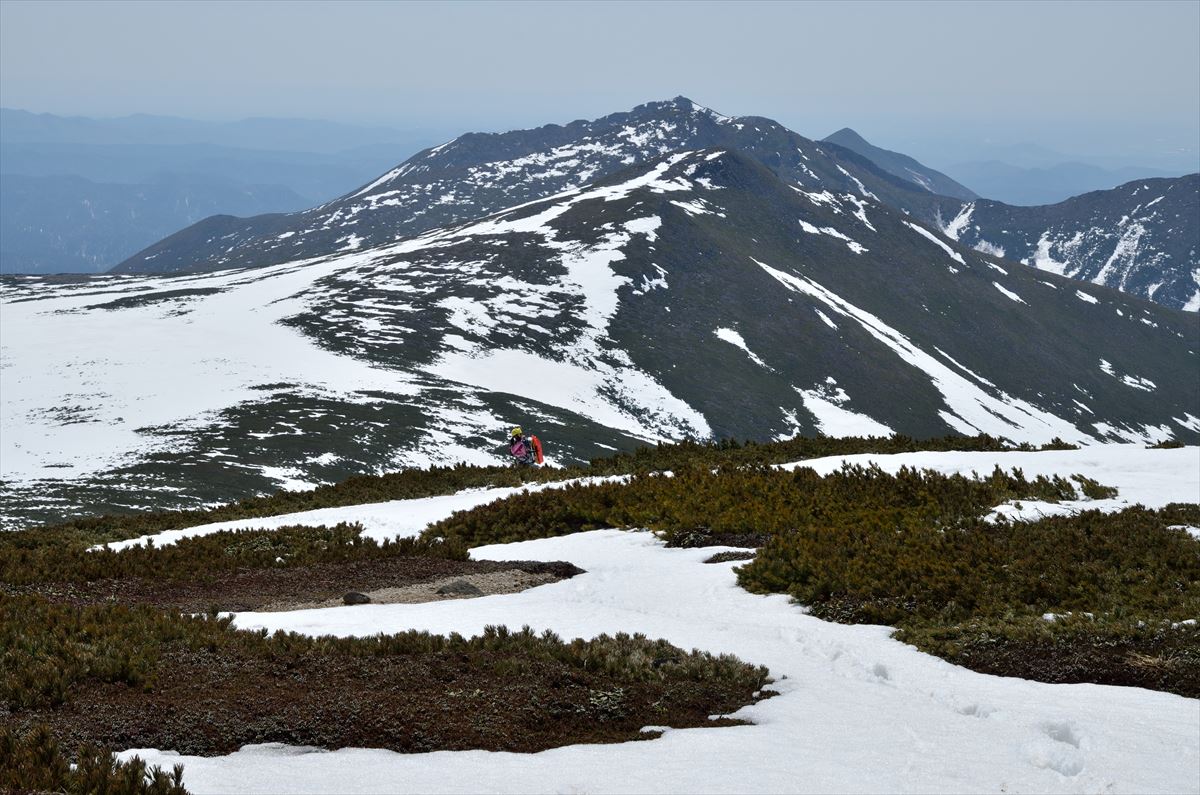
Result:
<point x="857" y="711"/>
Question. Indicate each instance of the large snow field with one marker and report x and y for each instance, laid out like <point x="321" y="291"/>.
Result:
<point x="857" y="711"/>
<point x="79" y="382"/>
<point x="85" y="371"/>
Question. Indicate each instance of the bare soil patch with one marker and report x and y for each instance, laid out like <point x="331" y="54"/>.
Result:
<point x="390" y="579"/>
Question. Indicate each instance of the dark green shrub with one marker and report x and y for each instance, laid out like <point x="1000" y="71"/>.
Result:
<point x="413" y="483"/>
<point x="29" y="559"/>
<point x="34" y="762"/>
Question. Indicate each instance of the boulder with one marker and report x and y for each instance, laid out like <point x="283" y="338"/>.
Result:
<point x="458" y="588"/>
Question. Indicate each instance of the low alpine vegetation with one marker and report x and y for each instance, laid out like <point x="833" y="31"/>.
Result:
<point x="915" y="550"/>
<point x="415" y="483"/>
<point x="35" y="762"/>
<point x="91" y="674"/>
<point x="26" y="558"/>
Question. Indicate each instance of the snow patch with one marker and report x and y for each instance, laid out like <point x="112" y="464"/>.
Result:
<point x="735" y="339"/>
<point x="1009" y="293"/>
<point x="931" y="237"/>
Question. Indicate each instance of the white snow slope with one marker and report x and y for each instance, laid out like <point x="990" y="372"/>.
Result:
<point x="857" y="711"/>
<point x="80" y="382"/>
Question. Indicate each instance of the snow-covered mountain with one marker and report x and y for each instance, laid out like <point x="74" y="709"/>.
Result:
<point x="477" y="174"/>
<point x="698" y="293"/>
<point x="1135" y="245"/>
<point x="901" y="165"/>
<point x="1142" y="237"/>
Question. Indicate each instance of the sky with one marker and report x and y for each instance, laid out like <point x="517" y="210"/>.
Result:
<point x="929" y="78"/>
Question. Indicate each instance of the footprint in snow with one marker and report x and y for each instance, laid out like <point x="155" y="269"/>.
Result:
<point x="1058" y="748"/>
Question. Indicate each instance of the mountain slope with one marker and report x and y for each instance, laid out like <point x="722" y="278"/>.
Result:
<point x="1142" y="237"/>
<point x="477" y="174"/>
<point x="1109" y="237"/>
<point x="696" y="295"/>
<point x="901" y="165"/>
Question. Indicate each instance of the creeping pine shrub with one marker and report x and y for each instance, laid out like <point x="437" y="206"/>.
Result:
<point x="1093" y="490"/>
<point x="26" y="559"/>
<point x="35" y="763"/>
<point x="47" y="649"/>
<point x="437" y="480"/>
<point x="914" y="550"/>
<point x="747" y="500"/>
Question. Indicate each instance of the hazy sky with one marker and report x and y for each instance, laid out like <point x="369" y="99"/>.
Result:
<point x="1119" y="77"/>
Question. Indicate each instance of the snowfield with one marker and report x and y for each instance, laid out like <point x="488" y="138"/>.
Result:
<point x="856" y="711"/>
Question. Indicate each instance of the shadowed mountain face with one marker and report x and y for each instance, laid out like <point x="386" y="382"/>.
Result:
<point x="697" y="293"/>
<point x="1142" y="238"/>
<point x="901" y="165"/>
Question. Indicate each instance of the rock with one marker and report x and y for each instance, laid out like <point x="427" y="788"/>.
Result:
<point x="356" y="598"/>
<point x="459" y="588"/>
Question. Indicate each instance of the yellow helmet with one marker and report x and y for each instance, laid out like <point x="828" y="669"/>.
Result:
<point x="516" y="432"/>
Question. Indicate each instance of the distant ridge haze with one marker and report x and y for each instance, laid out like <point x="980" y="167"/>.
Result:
<point x="901" y="165"/>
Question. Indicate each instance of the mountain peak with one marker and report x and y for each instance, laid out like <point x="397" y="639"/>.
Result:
<point x="846" y="137"/>
<point x="684" y="104"/>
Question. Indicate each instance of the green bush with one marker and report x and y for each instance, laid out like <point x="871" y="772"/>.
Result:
<point x="414" y="483"/>
<point x="46" y="649"/>
<point x="913" y="550"/>
<point x="35" y="763"/>
<point x="752" y="499"/>
<point x="27" y="559"/>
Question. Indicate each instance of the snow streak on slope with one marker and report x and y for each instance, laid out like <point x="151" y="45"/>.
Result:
<point x="856" y="710"/>
<point x="735" y="339"/>
<point x="828" y="404"/>
<point x="970" y="409"/>
<point x="932" y="238"/>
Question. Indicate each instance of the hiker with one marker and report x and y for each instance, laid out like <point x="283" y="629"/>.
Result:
<point x="520" y="448"/>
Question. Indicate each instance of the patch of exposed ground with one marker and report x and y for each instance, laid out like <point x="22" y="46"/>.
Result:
<point x="394" y="579"/>
<point x="467" y="586"/>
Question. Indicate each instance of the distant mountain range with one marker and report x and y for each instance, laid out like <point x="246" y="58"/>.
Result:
<point x="901" y="165"/>
<point x="81" y="195"/>
<point x="1047" y="184"/>
<point x="615" y="285"/>
<point x="67" y="224"/>
<point x="268" y="134"/>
